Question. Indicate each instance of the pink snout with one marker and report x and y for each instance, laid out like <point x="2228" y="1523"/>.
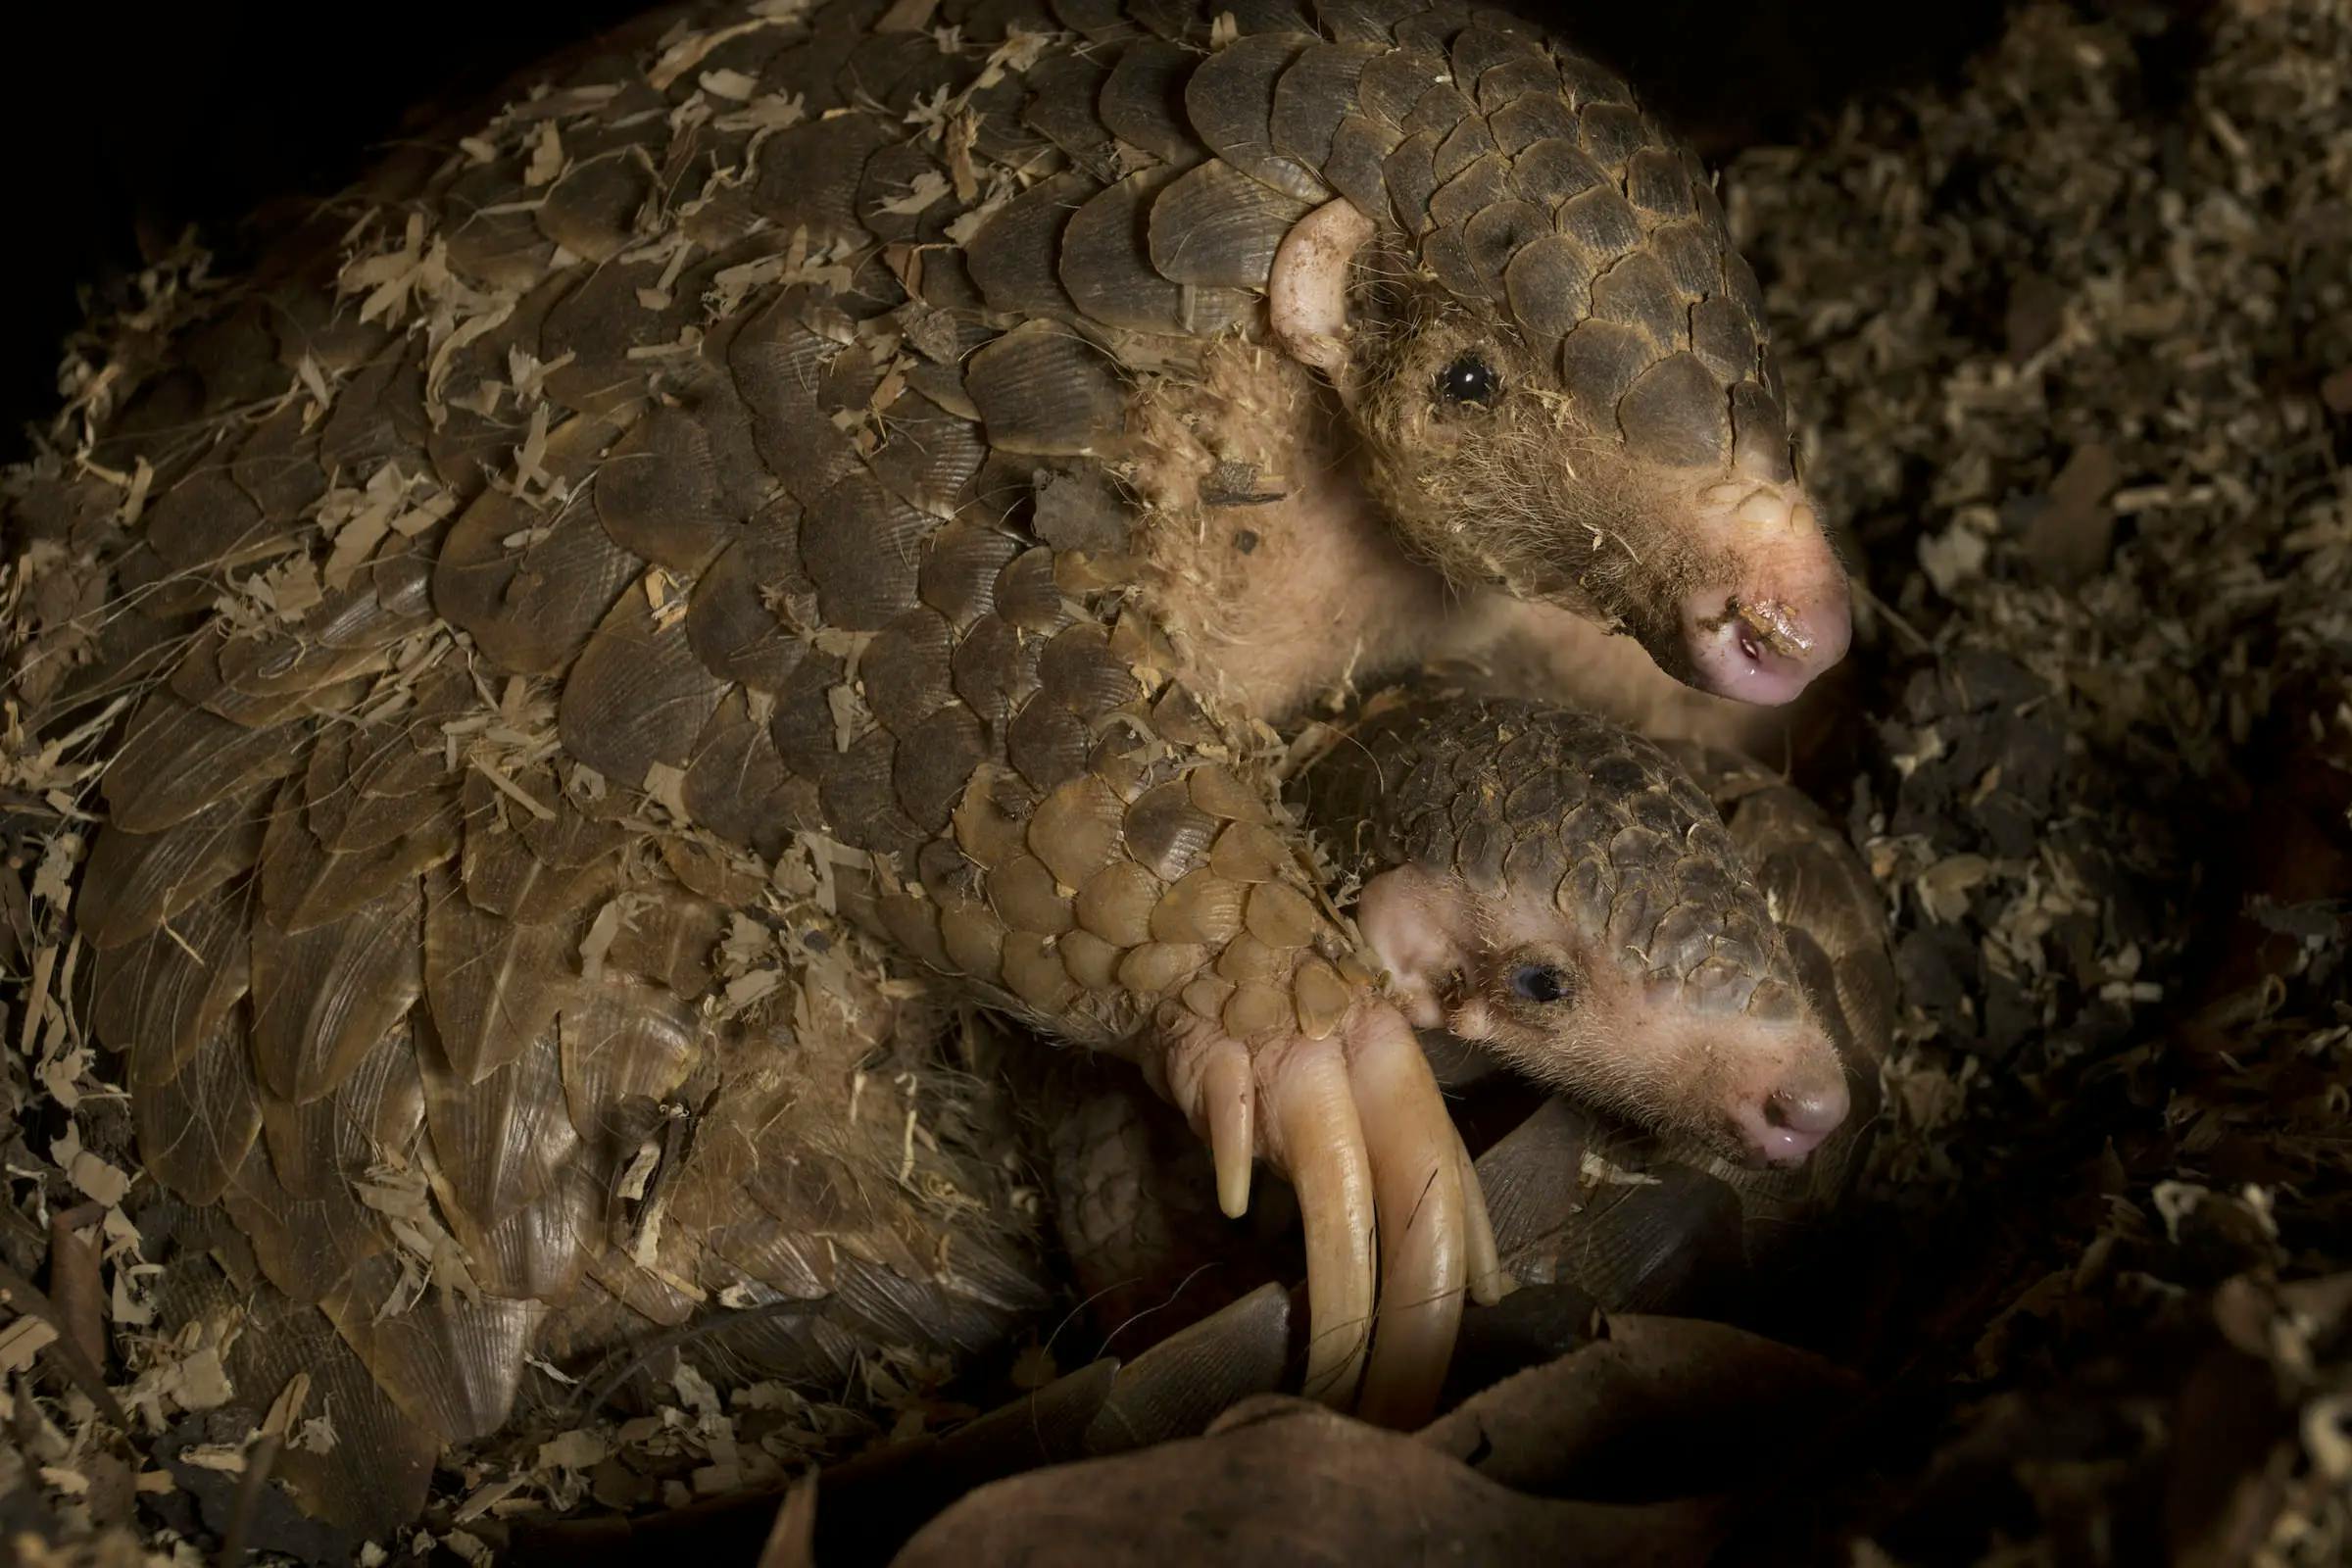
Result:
<point x="1789" y="1119"/>
<point x="1760" y="650"/>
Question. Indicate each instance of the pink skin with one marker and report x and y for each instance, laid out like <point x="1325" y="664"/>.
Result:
<point x="1792" y="1123"/>
<point x="1307" y="293"/>
<point x="1763" y="650"/>
<point x="1764" y="638"/>
<point x="1786" y="1111"/>
<point x="1539" y="648"/>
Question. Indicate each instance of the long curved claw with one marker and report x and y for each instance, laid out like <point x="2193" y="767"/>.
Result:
<point x="1489" y="1284"/>
<point x="1313" y="1107"/>
<point x="1424" y="1228"/>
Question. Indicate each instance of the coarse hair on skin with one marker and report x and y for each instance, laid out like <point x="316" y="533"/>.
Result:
<point x="1534" y="493"/>
<point x="1255" y="596"/>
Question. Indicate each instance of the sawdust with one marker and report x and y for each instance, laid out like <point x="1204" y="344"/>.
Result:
<point x="2063" y="340"/>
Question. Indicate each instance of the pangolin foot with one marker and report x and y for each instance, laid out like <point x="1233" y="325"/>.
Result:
<point x="1355" y="1121"/>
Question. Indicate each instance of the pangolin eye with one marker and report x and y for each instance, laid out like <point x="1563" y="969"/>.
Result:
<point x="1469" y="379"/>
<point x="1540" y="982"/>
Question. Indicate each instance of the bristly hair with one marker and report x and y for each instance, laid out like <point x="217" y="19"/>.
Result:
<point x="1544" y="501"/>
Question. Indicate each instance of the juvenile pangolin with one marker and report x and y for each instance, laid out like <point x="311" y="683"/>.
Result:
<point x="1744" y="944"/>
<point x="1551" y="888"/>
<point x="1635" y="1247"/>
<point x="910" y="449"/>
<point x="1673" y="939"/>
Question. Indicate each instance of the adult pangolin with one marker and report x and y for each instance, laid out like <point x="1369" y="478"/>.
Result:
<point x="897" y="455"/>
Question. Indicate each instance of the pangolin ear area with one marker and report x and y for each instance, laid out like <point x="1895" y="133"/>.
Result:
<point x="1307" y="293"/>
<point x="1419" y="925"/>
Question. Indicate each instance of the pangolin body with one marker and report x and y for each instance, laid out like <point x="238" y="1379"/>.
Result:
<point x="723" y="459"/>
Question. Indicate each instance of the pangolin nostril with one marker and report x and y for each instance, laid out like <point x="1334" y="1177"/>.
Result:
<point x="1785" y="1124"/>
<point x="1814" y="1110"/>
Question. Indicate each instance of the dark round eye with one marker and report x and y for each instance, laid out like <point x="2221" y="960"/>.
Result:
<point x="1539" y="982"/>
<point x="1469" y="379"/>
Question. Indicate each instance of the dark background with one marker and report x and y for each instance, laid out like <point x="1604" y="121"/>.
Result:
<point x="122" y="124"/>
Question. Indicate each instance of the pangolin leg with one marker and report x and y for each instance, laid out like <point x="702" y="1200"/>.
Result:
<point x="1424" y="1226"/>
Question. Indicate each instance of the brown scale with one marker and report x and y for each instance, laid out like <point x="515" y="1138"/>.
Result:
<point x="708" y="522"/>
<point x="1621" y="837"/>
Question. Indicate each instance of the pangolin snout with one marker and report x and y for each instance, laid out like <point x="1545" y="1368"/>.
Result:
<point x="1782" y="1122"/>
<point x="1761" y="648"/>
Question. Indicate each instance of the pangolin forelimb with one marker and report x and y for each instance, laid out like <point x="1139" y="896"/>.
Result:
<point x="1357" y="1122"/>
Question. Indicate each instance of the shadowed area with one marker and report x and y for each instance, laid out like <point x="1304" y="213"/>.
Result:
<point x="152" y="116"/>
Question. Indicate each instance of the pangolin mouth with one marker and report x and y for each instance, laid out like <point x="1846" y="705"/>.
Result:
<point x="1754" y="649"/>
<point x="1763" y="624"/>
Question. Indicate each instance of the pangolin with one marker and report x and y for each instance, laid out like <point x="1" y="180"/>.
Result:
<point x="1673" y="939"/>
<point x="1672" y="1214"/>
<point x="892" y="453"/>
<point x="794" y="1193"/>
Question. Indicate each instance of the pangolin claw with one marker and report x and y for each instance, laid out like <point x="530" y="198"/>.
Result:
<point x="1424" y="1228"/>
<point x="1488" y="1283"/>
<point x="1230" y="1107"/>
<point x="1322" y="1144"/>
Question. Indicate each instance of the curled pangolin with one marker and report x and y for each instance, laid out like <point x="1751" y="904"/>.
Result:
<point x="816" y="452"/>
